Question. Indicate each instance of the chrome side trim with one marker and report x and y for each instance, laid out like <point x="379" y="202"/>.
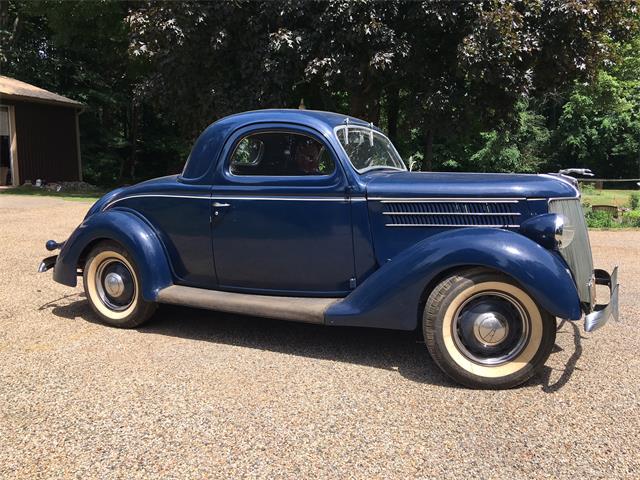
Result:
<point x="285" y="198"/>
<point x="156" y="195"/>
<point x="247" y="197"/>
<point x="481" y="214"/>
<point x="444" y="199"/>
<point x="447" y="225"/>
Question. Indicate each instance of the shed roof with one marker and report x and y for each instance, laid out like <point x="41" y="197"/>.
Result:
<point x="15" y="89"/>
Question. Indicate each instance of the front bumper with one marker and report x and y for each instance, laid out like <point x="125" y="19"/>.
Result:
<point x="602" y="313"/>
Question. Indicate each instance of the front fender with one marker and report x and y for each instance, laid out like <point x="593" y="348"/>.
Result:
<point x="133" y="233"/>
<point x="391" y="297"/>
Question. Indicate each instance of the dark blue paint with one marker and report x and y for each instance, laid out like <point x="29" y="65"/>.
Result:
<point x="132" y="232"/>
<point x="205" y="155"/>
<point x="315" y="248"/>
<point x="301" y="246"/>
<point x="467" y="185"/>
<point x="541" y="229"/>
<point x="390" y="241"/>
<point x="390" y="298"/>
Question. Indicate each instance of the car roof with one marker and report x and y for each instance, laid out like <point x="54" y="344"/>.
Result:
<point x="314" y="117"/>
<point x="210" y="142"/>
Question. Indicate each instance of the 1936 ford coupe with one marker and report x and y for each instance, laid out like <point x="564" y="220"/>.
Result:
<point x="313" y="217"/>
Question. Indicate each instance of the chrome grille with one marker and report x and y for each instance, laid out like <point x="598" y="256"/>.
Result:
<point x="578" y="253"/>
<point x="447" y="213"/>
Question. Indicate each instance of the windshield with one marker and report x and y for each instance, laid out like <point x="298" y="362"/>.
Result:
<point x="368" y="149"/>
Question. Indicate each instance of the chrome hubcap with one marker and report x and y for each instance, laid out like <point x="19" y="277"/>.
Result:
<point x="115" y="285"/>
<point x="491" y="328"/>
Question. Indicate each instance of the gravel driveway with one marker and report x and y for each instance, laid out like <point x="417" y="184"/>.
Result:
<point x="199" y="394"/>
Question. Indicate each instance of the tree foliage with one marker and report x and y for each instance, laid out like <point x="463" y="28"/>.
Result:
<point x="470" y="85"/>
<point x="600" y="123"/>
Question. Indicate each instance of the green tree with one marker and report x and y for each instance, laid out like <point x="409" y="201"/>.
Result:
<point x="600" y="127"/>
<point x="458" y="85"/>
<point x="515" y="149"/>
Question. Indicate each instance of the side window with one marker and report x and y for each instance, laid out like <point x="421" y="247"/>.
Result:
<point x="248" y="152"/>
<point x="280" y="154"/>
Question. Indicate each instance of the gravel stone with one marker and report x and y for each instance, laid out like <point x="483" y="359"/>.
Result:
<point x="197" y="394"/>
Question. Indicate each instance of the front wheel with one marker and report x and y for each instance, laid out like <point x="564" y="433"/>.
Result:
<point x="485" y="331"/>
<point x="112" y="285"/>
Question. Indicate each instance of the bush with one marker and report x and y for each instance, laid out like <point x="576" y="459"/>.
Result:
<point x="600" y="219"/>
<point x="631" y="219"/>
<point x="634" y="200"/>
<point x="588" y="188"/>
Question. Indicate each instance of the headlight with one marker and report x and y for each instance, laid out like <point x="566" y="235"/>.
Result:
<point x="550" y="230"/>
<point x="564" y="231"/>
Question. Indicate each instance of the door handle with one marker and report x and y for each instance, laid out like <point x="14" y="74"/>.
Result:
<point x="220" y="205"/>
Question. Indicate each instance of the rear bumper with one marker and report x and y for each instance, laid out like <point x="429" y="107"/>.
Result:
<point x="47" y="263"/>
<point x="602" y="313"/>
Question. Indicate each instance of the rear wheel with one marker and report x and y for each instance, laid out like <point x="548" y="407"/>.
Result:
<point x="485" y="331"/>
<point x="112" y="285"/>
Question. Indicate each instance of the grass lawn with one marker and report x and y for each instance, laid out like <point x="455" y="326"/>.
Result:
<point x="619" y="198"/>
<point x="41" y="192"/>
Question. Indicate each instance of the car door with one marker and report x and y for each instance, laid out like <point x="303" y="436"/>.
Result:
<point x="281" y="221"/>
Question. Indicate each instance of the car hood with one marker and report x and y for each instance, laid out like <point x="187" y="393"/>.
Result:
<point x="462" y="185"/>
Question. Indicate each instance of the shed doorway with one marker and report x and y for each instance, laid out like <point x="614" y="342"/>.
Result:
<point x="5" y="148"/>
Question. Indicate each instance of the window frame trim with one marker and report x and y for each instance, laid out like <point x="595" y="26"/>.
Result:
<point x="287" y="130"/>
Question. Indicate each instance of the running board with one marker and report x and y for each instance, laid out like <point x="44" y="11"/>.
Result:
<point x="298" y="309"/>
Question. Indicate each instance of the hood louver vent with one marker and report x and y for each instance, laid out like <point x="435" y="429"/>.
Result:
<point x="452" y="213"/>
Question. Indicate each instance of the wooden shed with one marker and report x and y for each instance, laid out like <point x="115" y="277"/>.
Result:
<point x="39" y="134"/>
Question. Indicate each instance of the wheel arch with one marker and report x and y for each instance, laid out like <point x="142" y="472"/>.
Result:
<point x="436" y="279"/>
<point x="132" y="233"/>
<point x="393" y="295"/>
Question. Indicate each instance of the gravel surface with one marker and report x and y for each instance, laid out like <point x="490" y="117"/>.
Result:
<point x="198" y="394"/>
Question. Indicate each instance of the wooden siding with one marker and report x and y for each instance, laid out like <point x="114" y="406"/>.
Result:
<point x="47" y="143"/>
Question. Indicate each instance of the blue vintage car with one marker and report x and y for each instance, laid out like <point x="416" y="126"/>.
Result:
<point x="313" y="217"/>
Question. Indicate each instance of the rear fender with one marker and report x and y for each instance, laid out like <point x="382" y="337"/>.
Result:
<point x="392" y="296"/>
<point x="129" y="230"/>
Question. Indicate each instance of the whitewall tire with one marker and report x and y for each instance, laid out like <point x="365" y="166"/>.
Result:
<point x="112" y="285"/>
<point x="485" y="331"/>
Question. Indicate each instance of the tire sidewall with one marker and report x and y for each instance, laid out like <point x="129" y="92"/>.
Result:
<point x="438" y="332"/>
<point x="132" y="315"/>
